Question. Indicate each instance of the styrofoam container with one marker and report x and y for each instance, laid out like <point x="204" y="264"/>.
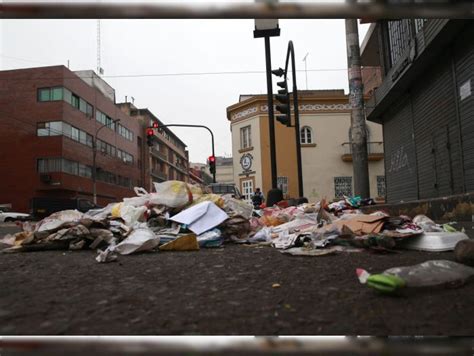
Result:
<point x="435" y="241"/>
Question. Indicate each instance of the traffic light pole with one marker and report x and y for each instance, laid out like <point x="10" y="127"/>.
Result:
<point x="271" y="118"/>
<point x="201" y="126"/>
<point x="291" y="54"/>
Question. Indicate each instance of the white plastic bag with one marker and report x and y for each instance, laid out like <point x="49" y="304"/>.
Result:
<point x="132" y="215"/>
<point x="172" y="193"/>
<point x="138" y="240"/>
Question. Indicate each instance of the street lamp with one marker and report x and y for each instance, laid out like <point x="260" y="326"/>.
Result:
<point x="94" y="154"/>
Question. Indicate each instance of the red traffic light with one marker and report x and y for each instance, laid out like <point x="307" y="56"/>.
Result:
<point x="212" y="159"/>
<point x="150" y="132"/>
<point x="155" y="125"/>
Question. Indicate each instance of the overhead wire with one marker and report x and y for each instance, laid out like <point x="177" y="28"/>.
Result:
<point x="169" y="74"/>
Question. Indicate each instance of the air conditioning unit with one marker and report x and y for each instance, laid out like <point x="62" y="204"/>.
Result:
<point x="45" y="178"/>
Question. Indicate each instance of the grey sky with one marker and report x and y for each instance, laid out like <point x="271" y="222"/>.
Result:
<point x="145" y="47"/>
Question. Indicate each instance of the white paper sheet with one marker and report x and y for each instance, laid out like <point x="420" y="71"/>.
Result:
<point x="201" y="217"/>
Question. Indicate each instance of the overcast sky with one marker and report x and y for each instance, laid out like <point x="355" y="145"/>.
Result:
<point x="154" y="47"/>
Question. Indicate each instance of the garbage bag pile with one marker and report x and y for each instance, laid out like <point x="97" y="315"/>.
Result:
<point x="179" y="216"/>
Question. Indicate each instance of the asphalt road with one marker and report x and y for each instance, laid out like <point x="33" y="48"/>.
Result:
<point x="222" y="291"/>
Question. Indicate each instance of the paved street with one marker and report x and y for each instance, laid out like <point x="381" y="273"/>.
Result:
<point x="220" y="291"/>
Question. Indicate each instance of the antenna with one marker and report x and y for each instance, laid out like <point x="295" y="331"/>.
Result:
<point x="306" y="69"/>
<point x="99" y="68"/>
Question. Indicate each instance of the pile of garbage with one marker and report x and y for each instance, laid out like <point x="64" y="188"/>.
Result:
<point x="180" y="216"/>
<point x="177" y="216"/>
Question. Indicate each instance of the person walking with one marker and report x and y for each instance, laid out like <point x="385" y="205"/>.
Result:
<point x="257" y="198"/>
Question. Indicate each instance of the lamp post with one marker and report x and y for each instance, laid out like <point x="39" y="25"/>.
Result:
<point x="94" y="154"/>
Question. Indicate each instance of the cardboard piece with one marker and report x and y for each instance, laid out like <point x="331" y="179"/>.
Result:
<point x="184" y="243"/>
<point x="363" y="224"/>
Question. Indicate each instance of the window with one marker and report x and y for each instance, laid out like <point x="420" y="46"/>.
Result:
<point x="75" y="101"/>
<point x="82" y="105"/>
<point x="247" y="189"/>
<point x="282" y="183"/>
<point x="53" y="128"/>
<point x="67" y="96"/>
<point x="124" y="156"/>
<point x="70" y="167"/>
<point x="56" y="94"/>
<point x="342" y="186"/>
<point x="306" y="135"/>
<point x="44" y="94"/>
<point x="89" y="110"/>
<point x="381" y="186"/>
<point x="124" y="132"/>
<point x="85" y="171"/>
<point x="75" y="134"/>
<point x="47" y="165"/>
<point x="245" y="137"/>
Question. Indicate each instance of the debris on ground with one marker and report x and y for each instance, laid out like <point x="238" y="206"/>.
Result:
<point x="433" y="273"/>
<point x="181" y="217"/>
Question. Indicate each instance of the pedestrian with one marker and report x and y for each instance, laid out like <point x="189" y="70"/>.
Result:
<point x="257" y="198"/>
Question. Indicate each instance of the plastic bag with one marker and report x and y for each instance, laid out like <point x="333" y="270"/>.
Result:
<point x="426" y="224"/>
<point x="237" y="207"/>
<point x="138" y="240"/>
<point x="172" y="193"/>
<point x="132" y="215"/>
<point x="215" y="198"/>
<point x="211" y="238"/>
<point x="58" y="220"/>
<point x="427" y="274"/>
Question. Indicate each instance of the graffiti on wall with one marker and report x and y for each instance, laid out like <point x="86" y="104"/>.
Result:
<point x="399" y="160"/>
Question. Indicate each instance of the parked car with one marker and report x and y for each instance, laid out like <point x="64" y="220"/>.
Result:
<point x="10" y="216"/>
<point x="42" y="207"/>
<point x="225" y="188"/>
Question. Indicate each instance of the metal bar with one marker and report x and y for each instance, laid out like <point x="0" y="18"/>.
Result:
<point x="369" y="11"/>
<point x="212" y="140"/>
<point x="297" y="121"/>
<point x="271" y="118"/>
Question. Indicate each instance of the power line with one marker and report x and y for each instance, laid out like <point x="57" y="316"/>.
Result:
<point x="182" y="74"/>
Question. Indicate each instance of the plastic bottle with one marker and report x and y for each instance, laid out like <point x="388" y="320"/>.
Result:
<point x="427" y="274"/>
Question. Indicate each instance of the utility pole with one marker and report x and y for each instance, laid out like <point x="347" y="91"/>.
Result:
<point x="356" y="99"/>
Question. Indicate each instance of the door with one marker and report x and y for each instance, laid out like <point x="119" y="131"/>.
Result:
<point x="247" y="189"/>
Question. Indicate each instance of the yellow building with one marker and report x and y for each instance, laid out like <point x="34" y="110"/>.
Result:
<point x="325" y="150"/>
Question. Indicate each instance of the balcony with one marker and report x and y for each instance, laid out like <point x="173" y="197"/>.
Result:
<point x="160" y="175"/>
<point x="374" y="150"/>
<point x="159" y="154"/>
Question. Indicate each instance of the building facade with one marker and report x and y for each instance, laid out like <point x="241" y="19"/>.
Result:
<point x="425" y="105"/>
<point x="48" y="119"/>
<point x="168" y="158"/>
<point x="224" y="170"/>
<point x="325" y="148"/>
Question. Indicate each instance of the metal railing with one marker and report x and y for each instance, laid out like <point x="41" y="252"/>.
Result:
<point x="373" y="148"/>
<point x="159" y="174"/>
<point x="159" y="154"/>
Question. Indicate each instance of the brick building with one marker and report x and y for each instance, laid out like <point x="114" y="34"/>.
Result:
<point x="168" y="159"/>
<point x="49" y="117"/>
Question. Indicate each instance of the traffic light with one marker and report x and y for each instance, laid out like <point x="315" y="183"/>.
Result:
<point x="283" y="97"/>
<point x="155" y="125"/>
<point x="212" y="164"/>
<point x="150" y="134"/>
